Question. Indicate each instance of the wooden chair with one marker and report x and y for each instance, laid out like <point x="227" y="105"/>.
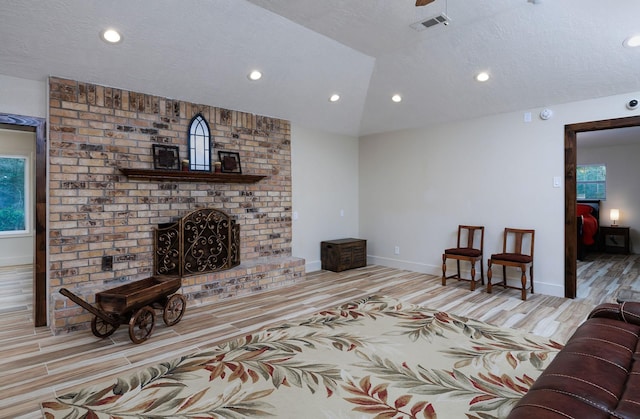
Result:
<point x="470" y="253"/>
<point x="516" y="258"/>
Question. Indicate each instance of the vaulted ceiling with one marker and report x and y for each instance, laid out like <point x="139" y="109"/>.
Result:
<point x="550" y="52"/>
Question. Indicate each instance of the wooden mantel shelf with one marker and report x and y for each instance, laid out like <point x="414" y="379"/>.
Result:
<point x="175" y="175"/>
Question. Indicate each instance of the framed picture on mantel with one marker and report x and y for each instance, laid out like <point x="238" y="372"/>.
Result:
<point x="166" y="157"/>
<point x="230" y="162"/>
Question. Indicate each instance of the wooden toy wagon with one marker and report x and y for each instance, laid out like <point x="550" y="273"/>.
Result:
<point x="135" y="303"/>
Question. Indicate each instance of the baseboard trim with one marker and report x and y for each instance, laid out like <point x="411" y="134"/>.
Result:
<point x="540" y="287"/>
<point x="13" y="261"/>
<point x="313" y="266"/>
<point x="405" y="265"/>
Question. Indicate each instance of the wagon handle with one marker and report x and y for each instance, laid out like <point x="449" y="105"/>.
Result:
<point x="93" y="310"/>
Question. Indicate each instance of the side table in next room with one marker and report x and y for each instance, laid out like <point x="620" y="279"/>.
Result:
<point x="342" y="254"/>
<point x="615" y="239"/>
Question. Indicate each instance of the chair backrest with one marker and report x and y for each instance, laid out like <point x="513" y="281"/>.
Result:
<point x="518" y="237"/>
<point x="470" y="236"/>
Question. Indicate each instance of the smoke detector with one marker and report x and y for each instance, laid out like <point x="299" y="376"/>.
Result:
<point x="442" y="18"/>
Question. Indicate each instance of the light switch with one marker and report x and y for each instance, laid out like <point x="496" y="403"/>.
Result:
<point x="557" y="181"/>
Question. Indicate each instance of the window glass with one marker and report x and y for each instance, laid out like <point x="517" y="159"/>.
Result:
<point x="199" y="145"/>
<point x="13" y="194"/>
<point x="591" y="181"/>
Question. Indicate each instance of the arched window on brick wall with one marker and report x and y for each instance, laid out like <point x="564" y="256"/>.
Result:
<point x="199" y="145"/>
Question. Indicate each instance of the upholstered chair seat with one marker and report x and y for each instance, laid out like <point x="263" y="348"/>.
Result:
<point x="474" y="253"/>
<point x="512" y="257"/>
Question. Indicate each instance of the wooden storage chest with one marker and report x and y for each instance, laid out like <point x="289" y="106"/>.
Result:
<point x="342" y="254"/>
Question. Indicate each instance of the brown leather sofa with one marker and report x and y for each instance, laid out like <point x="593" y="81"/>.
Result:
<point x="597" y="373"/>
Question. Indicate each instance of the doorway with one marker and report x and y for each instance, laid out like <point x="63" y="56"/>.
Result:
<point x="570" y="162"/>
<point x="36" y="125"/>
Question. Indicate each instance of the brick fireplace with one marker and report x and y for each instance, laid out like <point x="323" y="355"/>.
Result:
<point x="98" y="213"/>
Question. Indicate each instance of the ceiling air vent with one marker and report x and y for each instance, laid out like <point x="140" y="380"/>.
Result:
<point x="432" y="21"/>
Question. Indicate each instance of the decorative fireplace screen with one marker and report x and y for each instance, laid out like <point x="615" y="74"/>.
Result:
<point x="202" y="241"/>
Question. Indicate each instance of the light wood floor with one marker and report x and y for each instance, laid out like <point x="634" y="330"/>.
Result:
<point x="37" y="366"/>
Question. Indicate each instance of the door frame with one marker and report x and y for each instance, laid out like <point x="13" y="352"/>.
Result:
<point x="570" y="164"/>
<point x="37" y="125"/>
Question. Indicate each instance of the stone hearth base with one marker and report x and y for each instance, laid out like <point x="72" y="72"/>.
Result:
<point x="249" y="277"/>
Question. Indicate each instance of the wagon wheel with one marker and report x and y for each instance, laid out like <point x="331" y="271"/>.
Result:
<point x="141" y="324"/>
<point x="101" y="328"/>
<point x="174" y="309"/>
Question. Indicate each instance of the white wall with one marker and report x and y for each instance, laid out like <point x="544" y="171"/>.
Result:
<point x="416" y="186"/>
<point x="23" y="97"/>
<point x="325" y="182"/>
<point x="623" y="173"/>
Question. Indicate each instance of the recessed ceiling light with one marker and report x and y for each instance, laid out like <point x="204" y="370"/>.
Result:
<point x="255" y="75"/>
<point x="396" y="98"/>
<point x="632" y="41"/>
<point x="482" y="77"/>
<point x="111" y="36"/>
<point x="334" y="97"/>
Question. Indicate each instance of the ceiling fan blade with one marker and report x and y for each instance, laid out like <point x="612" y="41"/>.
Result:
<point x="423" y="2"/>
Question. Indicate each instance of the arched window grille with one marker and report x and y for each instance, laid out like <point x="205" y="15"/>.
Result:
<point x="199" y="145"/>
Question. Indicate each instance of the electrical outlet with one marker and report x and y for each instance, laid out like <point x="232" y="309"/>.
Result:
<point x="107" y="263"/>
<point x="396" y="250"/>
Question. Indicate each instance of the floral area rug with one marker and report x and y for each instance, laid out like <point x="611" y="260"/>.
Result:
<point x="375" y="357"/>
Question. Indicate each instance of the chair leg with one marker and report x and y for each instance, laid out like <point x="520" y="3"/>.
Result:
<point x="531" y="276"/>
<point x="504" y="276"/>
<point x="481" y="272"/>
<point x="458" y="268"/>
<point x="523" y="280"/>
<point x="473" y="275"/>
<point x="489" y="276"/>
<point x="444" y="269"/>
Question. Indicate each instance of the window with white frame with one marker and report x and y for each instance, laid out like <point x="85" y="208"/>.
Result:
<point x="591" y="180"/>
<point x="14" y="194"/>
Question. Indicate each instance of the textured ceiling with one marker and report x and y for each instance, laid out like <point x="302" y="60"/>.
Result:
<point x="554" y="52"/>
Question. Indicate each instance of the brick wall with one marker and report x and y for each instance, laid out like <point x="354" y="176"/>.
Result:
<point x="96" y="211"/>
